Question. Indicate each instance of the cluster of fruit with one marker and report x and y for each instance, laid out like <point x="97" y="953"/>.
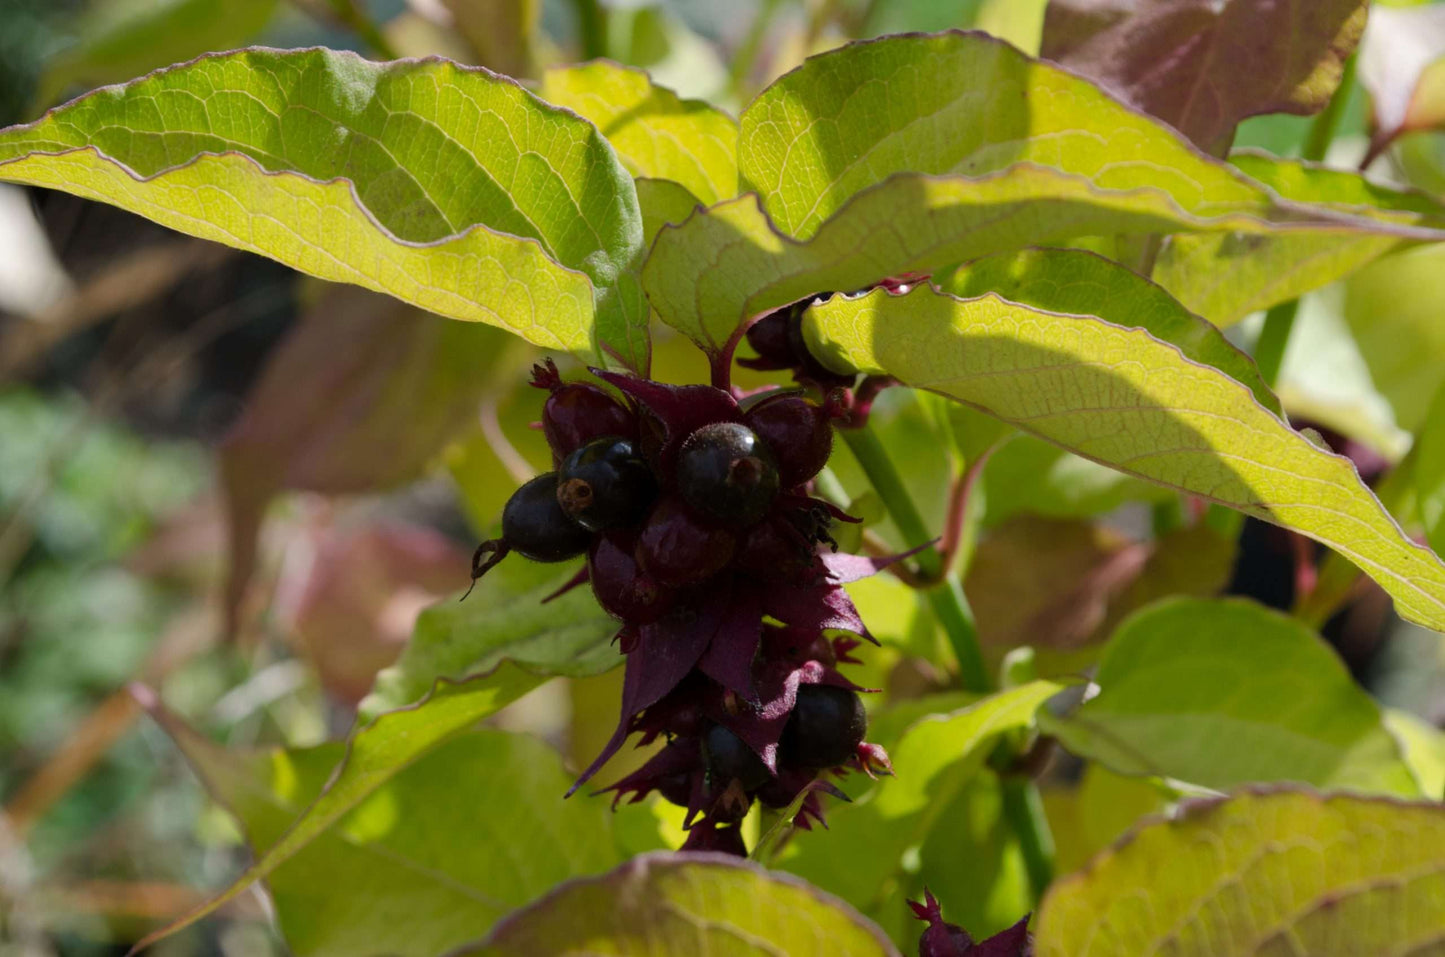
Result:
<point x="693" y="508"/>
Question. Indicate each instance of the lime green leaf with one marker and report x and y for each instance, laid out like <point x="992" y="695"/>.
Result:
<point x="686" y="903"/>
<point x="1088" y="818"/>
<point x="119" y="39"/>
<point x="375" y="754"/>
<point x="858" y="856"/>
<point x="1430" y="472"/>
<point x="1123" y="398"/>
<point x="950" y="104"/>
<point x="1423" y="745"/>
<point x="1203" y="65"/>
<point x="1084" y="284"/>
<point x="453" y="189"/>
<point x="1258" y="873"/>
<point x="503" y="619"/>
<point x="1184" y="681"/>
<point x="397" y="852"/>
<point x="1225" y="277"/>
<point x="663" y="202"/>
<point x="1393" y="309"/>
<point x="656" y="134"/>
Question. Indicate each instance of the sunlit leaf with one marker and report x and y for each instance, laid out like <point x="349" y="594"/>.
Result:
<point x="1260" y="873"/>
<point x="1088" y="818"/>
<point x="1204" y="65"/>
<point x="686" y="903"/>
<point x="391" y="876"/>
<point x="1184" y="681"/>
<point x="1029" y="475"/>
<point x="1225" y="277"/>
<point x="453" y="189"/>
<point x="504" y="619"/>
<point x="1123" y="398"/>
<point x="655" y="133"/>
<point x="1423" y="746"/>
<point x="1393" y="310"/>
<point x="1081" y="283"/>
<point x="863" y="849"/>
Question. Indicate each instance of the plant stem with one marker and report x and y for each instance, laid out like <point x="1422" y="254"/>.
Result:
<point x="1279" y="321"/>
<point x="1024" y="809"/>
<point x="947" y="598"/>
<point x="591" y="28"/>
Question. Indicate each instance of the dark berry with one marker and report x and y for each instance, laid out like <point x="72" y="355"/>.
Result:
<point x="799" y="433"/>
<point x="675" y="549"/>
<point x="727" y="757"/>
<point x="774" y="548"/>
<point x="676" y="787"/>
<point x="769" y="339"/>
<point x="535" y="525"/>
<point x="727" y="474"/>
<point x="577" y="412"/>
<point x="622" y="589"/>
<point x="825" y="728"/>
<point x="604" y="484"/>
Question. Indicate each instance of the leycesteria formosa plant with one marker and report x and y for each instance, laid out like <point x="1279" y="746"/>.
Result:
<point x="1037" y="260"/>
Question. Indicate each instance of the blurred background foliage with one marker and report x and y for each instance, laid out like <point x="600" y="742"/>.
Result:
<point x="147" y="393"/>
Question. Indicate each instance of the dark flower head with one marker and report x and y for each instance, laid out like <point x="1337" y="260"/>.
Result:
<point x="943" y="939"/>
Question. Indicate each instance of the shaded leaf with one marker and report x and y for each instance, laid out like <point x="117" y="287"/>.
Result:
<point x="504" y="619"/>
<point x="452" y="189"/>
<point x="1393" y="310"/>
<point x="1423" y="746"/>
<point x="1086" y="819"/>
<point x="1028" y="475"/>
<point x="1204" y="65"/>
<point x="1184" y="681"/>
<point x="656" y="133"/>
<point x="863" y="849"/>
<point x="1125" y="399"/>
<point x="1084" y="284"/>
<point x="369" y="416"/>
<point x="397" y="853"/>
<point x="1270" y="872"/>
<point x="1402" y="65"/>
<point x="360" y="597"/>
<point x="1430" y="471"/>
<point x="501" y="32"/>
<point x="685" y="903"/>
<point x="1225" y="277"/>
<point x="117" y="40"/>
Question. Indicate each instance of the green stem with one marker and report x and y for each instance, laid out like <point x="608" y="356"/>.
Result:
<point x="1279" y="321"/>
<point x="947" y="598"/>
<point x="1023" y="807"/>
<point x="591" y="28"/>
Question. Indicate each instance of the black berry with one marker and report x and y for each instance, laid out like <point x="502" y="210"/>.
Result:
<point x="726" y="473"/>
<point x="826" y="727"/>
<point x="535" y="525"/>
<point x="604" y="484"/>
<point x="727" y="757"/>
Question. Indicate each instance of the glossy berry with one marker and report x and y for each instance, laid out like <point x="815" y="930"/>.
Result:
<point x="535" y="525"/>
<point x="799" y="433"/>
<point x="675" y="549"/>
<point x="604" y="484"/>
<point x="826" y="727"/>
<point x="728" y="758"/>
<point x="621" y="587"/>
<point x="726" y="474"/>
<point x="577" y="412"/>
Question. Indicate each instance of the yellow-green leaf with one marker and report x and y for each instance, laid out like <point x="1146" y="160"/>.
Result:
<point x="656" y="133"/>
<point x="1260" y="873"/>
<point x="452" y="188"/>
<point x="1182" y="682"/>
<point x="1130" y="401"/>
<point x="686" y="904"/>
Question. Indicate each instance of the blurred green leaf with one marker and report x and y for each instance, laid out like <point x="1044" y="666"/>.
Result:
<point x="1276" y="872"/>
<point x="1082" y="283"/>
<point x="391" y="875"/>
<point x="1184" y="681"/>
<point x="452" y="189"/>
<point x="1128" y="400"/>
<point x="1423" y="746"/>
<point x="1393" y="308"/>
<point x="1226" y="277"/>
<point x="1430" y="471"/>
<point x="501" y="32"/>
<point x="1027" y="475"/>
<point x="121" y="39"/>
<point x="1090" y="817"/>
<point x="656" y="134"/>
<point x="683" y="903"/>
<point x="503" y="620"/>
<point x="1202" y="66"/>
<point x="861" y="853"/>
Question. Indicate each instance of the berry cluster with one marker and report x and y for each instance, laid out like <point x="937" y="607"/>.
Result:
<point x="701" y="535"/>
